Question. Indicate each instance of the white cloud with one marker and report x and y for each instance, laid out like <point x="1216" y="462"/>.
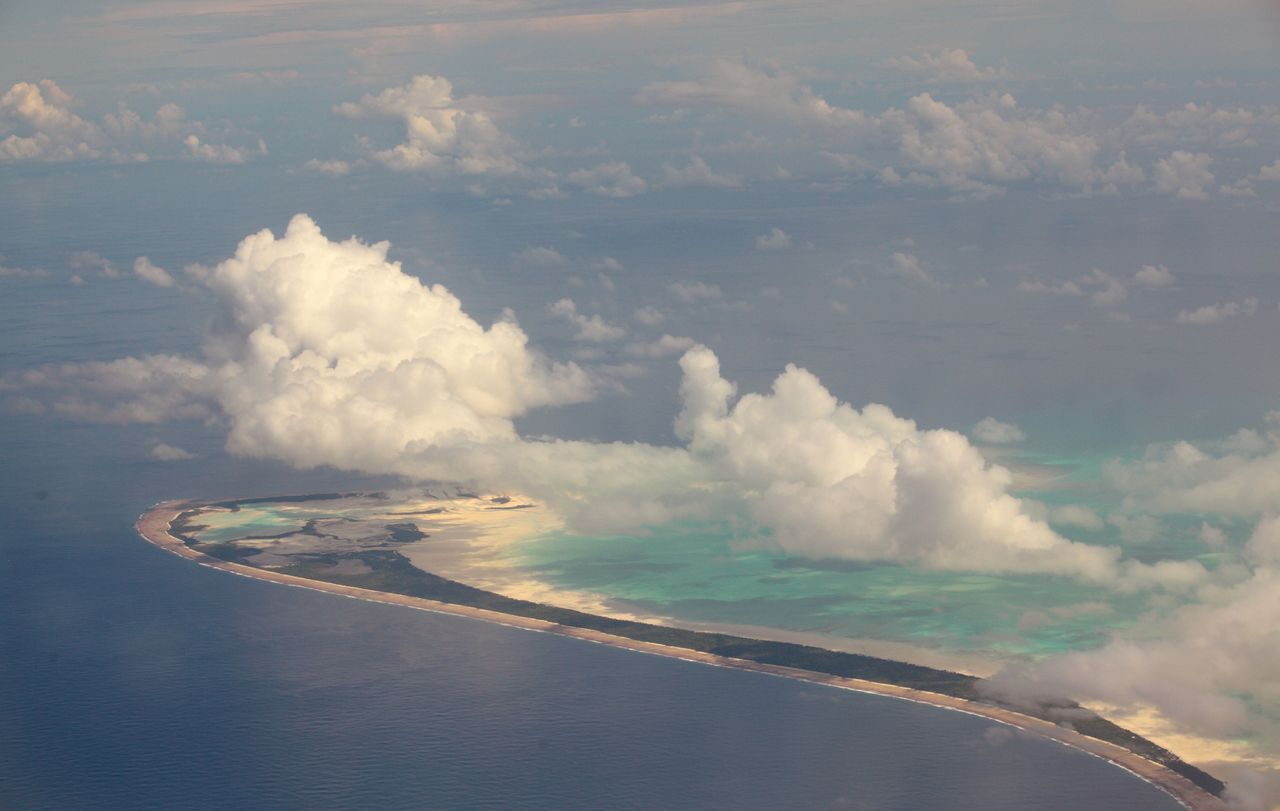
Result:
<point x="1232" y="637"/>
<point x="948" y="65"/>
<point x="697" y="173"/>
<point x="990" y="139"/>
<point x="1269" y="173"/>
<point x="1110" y="291"/>
<point x="88" y="260"/>
<point x="1201" y="124"/>
<point x="38" y="124"/>
<point x="831" y="481"/>
<point x="590" y="328"/>
<point x="1239" y="477"/>
<point x="1067" y="288"/>
<point x="333" y="168"/>
<point x="775" y="240"/>
<point x="169" y="453"/>
<point x="540" y="256"/>
<point x="613" y="179"/>
<point x="1104" y="289"/>
<point x="15" y="272"/>
<point x="691" y="292"/>
<point x="649" y="316"/>
<point x="975" y="147"/>
<point x="737" y="86"/>
<point x="148" y="272"/>
<point x="325" y="353"/>
<point x="608" y="263"/>
<point x="1217" y="313"/>
<point x="1153" y="276"/>
<point x="1184" y="174"/>
<point x="910" y="269"/>
<point x="442" y="134"/>
<point x="665" y="346"/>
<point x="992" y="430"/>
<point x="218" y="153"/>
<point x="1076" y="515"/>
<point x="149" y="390"/>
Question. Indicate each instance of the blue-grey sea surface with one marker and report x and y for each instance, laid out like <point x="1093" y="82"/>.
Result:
<point x="130" y="678"/>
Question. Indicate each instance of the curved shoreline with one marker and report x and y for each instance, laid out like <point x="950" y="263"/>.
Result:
<point x="154" y="524"/>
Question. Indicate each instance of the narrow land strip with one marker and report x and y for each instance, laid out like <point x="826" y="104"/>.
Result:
<point x="154" y="525"/>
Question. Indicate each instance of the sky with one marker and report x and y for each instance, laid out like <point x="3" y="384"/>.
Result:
<point x="825" y="267"/>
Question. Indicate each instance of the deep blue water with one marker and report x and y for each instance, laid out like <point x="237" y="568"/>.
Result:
<point x="130" y="678"/>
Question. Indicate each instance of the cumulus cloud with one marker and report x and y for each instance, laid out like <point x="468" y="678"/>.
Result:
<point x="38" y="124"/>
<point x="1153" y="276"/>
<point x="1076" y="515"/>
<point x="8" y="271"/>
<point x="1217" y="313"/>
<point x="590" y="328"/>
<point x="1184" y="175"/>
<point x="909" y="268"/>
<point x="169" y="453"/>
<point x="218" y="153"/>
<point x="540" y="256"/>
<point x="613" y="179"/>
<point x="975" y="147"/>
<point x="649" y="316"/>
<point x="692" y="292"/>
<point x="90" y="260"/>
<point x="987" y="140"/>
<point x="948" y="65"/>
<point x="775" y="240"/>
<point x="697" y="173"/>
<point x="735" y="85"/>
<point x="442" y="134"/>
<point x="1233" y="690"/>
<point x="664" y="347"/>
<point x="829" y="480"/>
<point x="332" y="168"/>
<point x="992" y="430"/>
<point x="148" y="272"/>
<point x="1067" y="288"/>
<point x="966" y="147"/>
<point x="1269" y="173"/>
<point x="1109" y="291"/>
<point x="1103" y="289"/>
<point x="326" y="353"/>
<point x="1201" y="124"/>
<point x="1239" y="476"/>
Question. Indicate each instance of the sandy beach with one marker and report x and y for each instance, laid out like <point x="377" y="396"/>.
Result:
<point x="154" y="524"/>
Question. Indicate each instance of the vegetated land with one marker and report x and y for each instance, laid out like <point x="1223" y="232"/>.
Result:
<point x="390" y="571"/>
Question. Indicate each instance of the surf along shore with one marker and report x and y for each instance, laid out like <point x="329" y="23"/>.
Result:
<point x="402" y="584"/>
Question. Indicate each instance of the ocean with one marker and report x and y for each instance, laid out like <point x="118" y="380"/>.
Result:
<point x="133" y="679"/>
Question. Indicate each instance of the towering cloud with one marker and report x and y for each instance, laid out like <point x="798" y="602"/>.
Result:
<point x="441" y="133"/>
<point x="326" y="353"/>
<point x="831" y="481"/>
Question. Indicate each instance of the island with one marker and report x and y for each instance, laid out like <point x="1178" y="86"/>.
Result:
<point x="359" y="565"/>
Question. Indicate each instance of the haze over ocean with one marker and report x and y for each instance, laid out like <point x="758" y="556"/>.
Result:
<point x="950" y="327"/>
